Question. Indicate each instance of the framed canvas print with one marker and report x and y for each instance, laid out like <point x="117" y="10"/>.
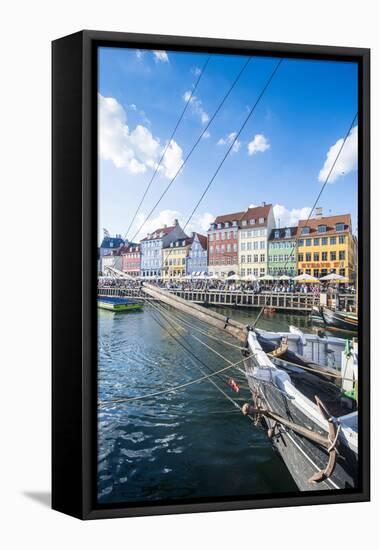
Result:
<point x="210" y="274"/>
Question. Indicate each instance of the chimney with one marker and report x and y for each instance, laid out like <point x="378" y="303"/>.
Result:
<point x="176" y="222"/>
<point x="319" y="212"/>
<point x="263" y="203"/>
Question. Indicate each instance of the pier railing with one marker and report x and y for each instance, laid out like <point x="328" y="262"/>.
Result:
<point x="276" y="300"/>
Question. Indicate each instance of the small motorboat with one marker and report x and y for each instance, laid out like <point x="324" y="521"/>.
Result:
<point x="113" y="303"/>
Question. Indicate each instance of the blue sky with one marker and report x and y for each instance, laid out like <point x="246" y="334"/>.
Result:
<point x="280" y="157"/>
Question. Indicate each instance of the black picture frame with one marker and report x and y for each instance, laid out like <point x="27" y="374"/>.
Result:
<point x="74" y="228"/>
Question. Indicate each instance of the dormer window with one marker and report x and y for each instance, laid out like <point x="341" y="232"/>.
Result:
<point x="252" y="221"/>
<point x="226" y="224"/>
<point x="234" y="224"/>
<point x="305" y="230"/>
<point x="183" y="243"/>
<point x="261" y="220"/>
<point x="288" y="232"/>
<point x="244" y="222"/>
<point x="340" y="226"/>
<point x="321" y="228"/>
<point x="161" y="234"/>
<point x="277" y="234"/>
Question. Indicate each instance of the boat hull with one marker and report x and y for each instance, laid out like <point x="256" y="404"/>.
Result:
<point x="339" y="320"/>
<point x="302" y="456"/>
<point x="117" y="304"/>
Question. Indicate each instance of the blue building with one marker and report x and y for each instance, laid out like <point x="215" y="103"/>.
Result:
<point x="152" y="245"/>
<point x="197" y="260"/>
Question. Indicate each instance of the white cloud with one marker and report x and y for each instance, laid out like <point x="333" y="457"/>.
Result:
<point x="196" y="71"/>
<point x="199" y="223"/>
<point x="197" y="106"/>
<point x="161" y="55"/>
<point x="347" y="161"/>
<point x="287" y="218"/>
<point x="259" y="144"/>
<point x="228" y="140"/>
<point x="206" y="135"/>
<point x="139" y="54"/>
<point x="137" y="149"/>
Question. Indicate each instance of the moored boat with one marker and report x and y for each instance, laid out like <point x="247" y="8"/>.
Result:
<point x="339" y="319"/>
<point x="113" y="303"/>
<point x="312" y="424"/>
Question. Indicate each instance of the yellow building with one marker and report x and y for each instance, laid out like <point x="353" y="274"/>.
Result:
<point x="174" y="258"/>
<point x="325" y="245"/>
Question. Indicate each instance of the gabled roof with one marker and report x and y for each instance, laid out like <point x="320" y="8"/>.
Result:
<point x="132" y="247"/>
<point x="255" y="214"/>
<point x="282" y="233"/>
<point x="112" y="242"/>
<point x="164" y="230"/>
<point x="329" y="221"/>
<point x="179" y="243"/>
<point x="235" y="217"/>
<point x="202" y="240"/>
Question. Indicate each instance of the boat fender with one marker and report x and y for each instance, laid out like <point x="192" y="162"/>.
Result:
<point x="233" y="384"/>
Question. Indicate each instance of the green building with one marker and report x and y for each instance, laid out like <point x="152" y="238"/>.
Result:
<point x="282" y="252"/>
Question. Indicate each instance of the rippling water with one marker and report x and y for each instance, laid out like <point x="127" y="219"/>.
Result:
<point x="191" y="444"/>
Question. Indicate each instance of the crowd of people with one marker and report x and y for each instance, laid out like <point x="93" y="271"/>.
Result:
<point x="226" y="286"/>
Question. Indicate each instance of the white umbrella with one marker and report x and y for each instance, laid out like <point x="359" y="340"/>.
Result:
<point x="305" y="278"/>
<point x="266" y="278"/>
<point x="284" y="278"/>
<point x="334" y="277"/>
<point x="249" y="278"/>
<point x="233" y="277"/>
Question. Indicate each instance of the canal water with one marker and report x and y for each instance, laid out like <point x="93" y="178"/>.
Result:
<point x="192" y="444"/>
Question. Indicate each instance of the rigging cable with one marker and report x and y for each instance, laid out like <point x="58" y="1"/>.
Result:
<point x="168" y="143"/>
<point x="314" y="204"/>
<point x="194" y="145"/>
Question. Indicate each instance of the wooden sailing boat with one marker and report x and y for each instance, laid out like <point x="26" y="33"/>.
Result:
<point x="310" y="422"/>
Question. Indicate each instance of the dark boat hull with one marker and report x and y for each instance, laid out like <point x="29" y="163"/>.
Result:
<point x="302" y="457"/>
<point x="338" y="320"/>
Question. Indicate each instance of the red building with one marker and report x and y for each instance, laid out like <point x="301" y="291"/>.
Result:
<point x="223" y="245"/>
<point x="131" y="260"/>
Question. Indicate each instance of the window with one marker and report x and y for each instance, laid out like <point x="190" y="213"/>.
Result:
<point x="255" y="271"/>
<point x="262" y="245"/>
<point x="243" y="259"/>
<point x="211" y="249"/>
<point x="277" y="234"/>
<point x="228" y="248"/>
<point x="316" y="256"/>
<point x="333" y="256"/>
<point x="263" y="257"/>
<point x="300" y="257"/>
<point x="255" y="258"/>
<point x="248" y="245"/>
<point x="342" y="272"/>
<point x="261" y="220"/>
<point x="249" y="258"/>
<point x="324" y="256"/>
<point x="244" y="222"/>
<point x="248" y="271"/>
<point x="223" y="236"/>
<point x="308" y="242"/>
<point x="242" y="272"/>
<point x="300" y="242"/>
<point x="316" y="241"/>
<point x="222" y="248"/>
<point x="252" y="222"/>
<point x="341" y="255"/>
<point x="255" y="245"/>
<point x="341" y="239"/>
<point x="262" y="271"/>
<point x="235" y="247"/>
<point x="305" y="230"/>
<point x="340" y="226"/>
<point x="333" y="240"/>
<point x="226" y="224"/>
<point x="287" y="232"/>
<point x="219" y="226"/>
<point x="308" y="257"/>
<point x="234" y="224"/>
<point x="324" y="241"/>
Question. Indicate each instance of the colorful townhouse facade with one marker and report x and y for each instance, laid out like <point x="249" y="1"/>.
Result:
<point x="175" y="257"/>
<point x="197" y="260"/>
<point x="223" y="245"/>
<point x="131" y="259"/>
<point x="282" y="252"/>
<point x="326" y="245"/>
<point x="152" y="245"/>
<point x="255" y="226"/>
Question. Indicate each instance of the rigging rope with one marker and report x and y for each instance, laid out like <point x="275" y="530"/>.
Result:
<point x="168" y="143"/>
<point x="194" y="145"/>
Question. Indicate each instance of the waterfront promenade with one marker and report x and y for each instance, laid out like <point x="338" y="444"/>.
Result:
<point x="288" y="301"/>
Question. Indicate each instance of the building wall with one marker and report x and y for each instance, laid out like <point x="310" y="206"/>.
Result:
<point x="253" y="246"/>
<point x="282" y="256"/>
<point x="197" y="258"/>
<point x="174" y="261"/>
<point x="151" y="251"/>
<point x="319" y="255"/>
<point x="223" y="251"/>
<point x="131" y="263"/>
